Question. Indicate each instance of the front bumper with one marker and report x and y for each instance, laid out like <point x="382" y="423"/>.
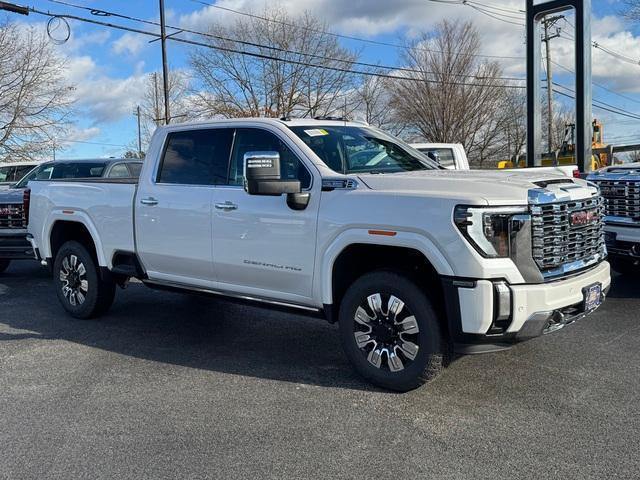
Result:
<point x="623" y="242"/>
<point x="476" y="311"/>
<point x="15" y="246"/>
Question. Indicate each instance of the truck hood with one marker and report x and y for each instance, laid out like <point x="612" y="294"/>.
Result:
<point x="11" y="195"/>
<point x="494" y="187"/>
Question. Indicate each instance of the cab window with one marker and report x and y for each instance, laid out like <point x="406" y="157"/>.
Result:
<point x="196" y="157"/>
<point x="257" y="140"/>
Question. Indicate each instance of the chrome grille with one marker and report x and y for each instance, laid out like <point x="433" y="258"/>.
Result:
<point x="621" y="198"/>
<point x="561" y="245"/>
<point x="11" y="216"/>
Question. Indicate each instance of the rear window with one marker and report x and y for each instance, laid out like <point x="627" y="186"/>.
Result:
<point x="4" y="173"/>
<point x="77" y="170"/>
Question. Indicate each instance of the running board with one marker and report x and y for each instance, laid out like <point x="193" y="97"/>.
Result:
<point x="230" y="295"/>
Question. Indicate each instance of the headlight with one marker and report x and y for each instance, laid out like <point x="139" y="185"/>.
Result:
<point x="491" y="230"/>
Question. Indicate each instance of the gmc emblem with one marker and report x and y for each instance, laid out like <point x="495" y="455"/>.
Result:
<point x="586" y="217"/>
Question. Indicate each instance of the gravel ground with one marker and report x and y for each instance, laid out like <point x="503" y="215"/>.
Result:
<point x="172" y="386"/>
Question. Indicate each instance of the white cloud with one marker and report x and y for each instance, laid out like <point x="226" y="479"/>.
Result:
<point x="82" y="134"/>
<point x="130" y="43"/>
<point x="104" y="98"/>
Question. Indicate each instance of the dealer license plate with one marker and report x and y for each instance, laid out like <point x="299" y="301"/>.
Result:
<point x="592" y="296"/>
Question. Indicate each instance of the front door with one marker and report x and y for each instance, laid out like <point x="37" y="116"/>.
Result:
<point x="261" y="245"/>
<point x="173" y="209"/>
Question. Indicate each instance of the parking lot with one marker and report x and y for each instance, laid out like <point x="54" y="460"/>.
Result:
<point x="173" y="386"/>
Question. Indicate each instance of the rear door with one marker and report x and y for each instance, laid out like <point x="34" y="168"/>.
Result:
<point x="173" y="208"/>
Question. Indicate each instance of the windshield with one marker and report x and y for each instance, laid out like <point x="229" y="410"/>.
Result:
<point x="49" y="171"/>
<point x="349" y="149"/>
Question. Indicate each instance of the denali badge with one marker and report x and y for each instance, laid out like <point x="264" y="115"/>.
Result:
<point x="583" y="218"/>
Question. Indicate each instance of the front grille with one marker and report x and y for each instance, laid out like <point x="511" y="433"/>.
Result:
<point x="12" y="216"/>
<point x="621" y="198"/>
<point x="567" y="236"/>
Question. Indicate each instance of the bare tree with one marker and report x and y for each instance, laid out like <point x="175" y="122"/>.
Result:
<point x="371" y="103"/>
<point x="450" y="96"/>
<point x="152" y="105"/>
<point x="231" y="84"/>
<point x="631" y="9"/>
<point x="35" y="100"/>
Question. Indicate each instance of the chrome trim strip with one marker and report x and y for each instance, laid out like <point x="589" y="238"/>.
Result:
<point x="225" y="293"/>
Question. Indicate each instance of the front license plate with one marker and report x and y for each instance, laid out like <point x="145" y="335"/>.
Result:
<point x="592" y="296"/>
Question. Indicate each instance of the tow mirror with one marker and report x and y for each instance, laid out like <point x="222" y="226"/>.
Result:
<point x="262" y="175"/>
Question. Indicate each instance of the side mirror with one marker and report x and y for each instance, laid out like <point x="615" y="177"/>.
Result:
<point x="434" y="156"/>
<point x="262" y="175"/>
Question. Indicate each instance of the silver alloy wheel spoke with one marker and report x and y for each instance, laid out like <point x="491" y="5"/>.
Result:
<point x="375" y="356"/>
<point x="409" y="325"/>
<point x="363" y="318"/>
<point x="84" y="285"/>
<point x="363" y="339"/>
<point x="375" y="303"/>
<point x="409" y="349"/>
<point x="81" y="270"/>
<point x="395" y="306"/>
<point x="395" y="364"/>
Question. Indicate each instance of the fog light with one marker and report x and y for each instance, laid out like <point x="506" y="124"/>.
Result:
<point x="502" y="301"/>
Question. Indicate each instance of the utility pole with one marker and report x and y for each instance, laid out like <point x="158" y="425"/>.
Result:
<point x="137" y="114"/>
<point x="550" y="22"/>
<point x="165" y="68"/>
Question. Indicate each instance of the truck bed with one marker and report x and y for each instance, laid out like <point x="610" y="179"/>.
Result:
<point x="104" y="205"/>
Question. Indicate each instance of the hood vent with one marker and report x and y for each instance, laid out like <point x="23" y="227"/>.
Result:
<point x="555" y="181"/>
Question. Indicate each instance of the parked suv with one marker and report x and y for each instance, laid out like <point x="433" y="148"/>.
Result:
<point x="13" y="242"/>
<point x="620" y="187"/>
<point x="337" y="219"/>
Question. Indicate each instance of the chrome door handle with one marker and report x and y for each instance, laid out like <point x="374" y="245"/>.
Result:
<point x="226" y="206"/>
<point x="149" y="201"/>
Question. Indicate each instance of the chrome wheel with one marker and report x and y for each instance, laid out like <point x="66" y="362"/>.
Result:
<point x="73" y="276"/>
<point x="386" y="332"/>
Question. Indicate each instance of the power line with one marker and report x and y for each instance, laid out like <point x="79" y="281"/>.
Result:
<point x="105" y="13"/>
<point x="346" y="37"/>
<point x="269" y="57"/>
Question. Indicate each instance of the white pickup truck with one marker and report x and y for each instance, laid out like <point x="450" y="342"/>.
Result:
<point x="336" y="219"/>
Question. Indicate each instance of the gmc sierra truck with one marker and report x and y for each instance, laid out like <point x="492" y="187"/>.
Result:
<point x="620" y="188"/>
<point x="336" y="219"/>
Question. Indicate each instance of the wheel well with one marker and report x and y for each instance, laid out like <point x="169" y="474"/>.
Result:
<point x="64" y="231"/>
<point x="358" y="259"/>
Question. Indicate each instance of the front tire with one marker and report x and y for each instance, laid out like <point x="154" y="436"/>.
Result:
<point x="390" y="332"/>
<point x="79" y="286"/>
<point x="4" y="264"/>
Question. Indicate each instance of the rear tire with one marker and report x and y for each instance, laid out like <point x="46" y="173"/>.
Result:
<point x="79" y="286"/>
<point x="625" y="266"/>
<point x="393" y="345"/>
<point x="4" y="264"/>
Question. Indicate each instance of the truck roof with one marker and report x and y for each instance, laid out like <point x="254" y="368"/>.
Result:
<point x="293" y="122"/>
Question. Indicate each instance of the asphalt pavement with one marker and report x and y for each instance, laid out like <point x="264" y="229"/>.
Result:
<point x="176" y="386"/>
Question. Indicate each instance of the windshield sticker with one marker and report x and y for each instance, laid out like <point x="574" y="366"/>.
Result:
<point x="316" y="132"/>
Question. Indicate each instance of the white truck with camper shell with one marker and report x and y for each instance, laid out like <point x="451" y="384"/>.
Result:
<point x="620" y="188"/>
<point x="336" y="219"/>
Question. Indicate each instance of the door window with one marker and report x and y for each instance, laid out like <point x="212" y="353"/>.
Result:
<point x="196" y="157"/>
<point x="257" y="140"/>
<point x="119" y="170"/>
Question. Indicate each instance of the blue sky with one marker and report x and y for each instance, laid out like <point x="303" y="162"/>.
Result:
<point x="109" y="67"/>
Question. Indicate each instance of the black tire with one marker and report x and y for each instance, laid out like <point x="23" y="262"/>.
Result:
<point x="4" y="264"/>
<point x="625" y="266"/>
<point x="429" y="359"/>
<point x="97" y="294"/>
